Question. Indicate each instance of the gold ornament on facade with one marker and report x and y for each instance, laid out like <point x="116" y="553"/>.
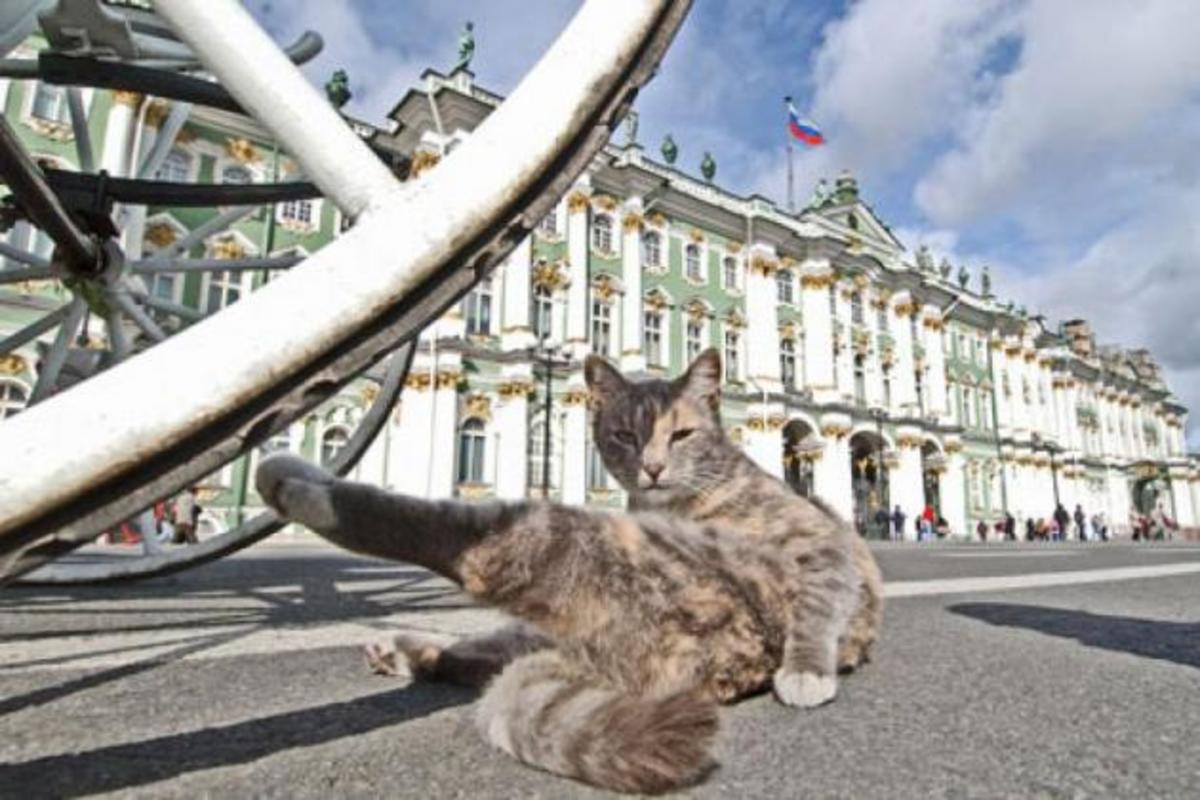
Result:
<point x="656" y="301"/>
<point x="995" y="344"/>
<point x="241" y="150"/>
<point x="577" y="202"/>
<point x="952" y="446"/>
<point x="12" y="364"/>
<point x="186" y="135"/>
<point x="422" y="162"/>
<point x="761" y="265"/>
<point x="156" y="113"/>
<point x="576" y="397"/>
<point x="733" y="248"/>
<point x="835" y="430"/>
<point x="604" y="288"/>
<point x="549" y="276"/>
<point x="418" y="381"/>
<point x="696" y="311"/>
<point x="911" y="309"/>
<point x="817" y="281"/>
<point x="756" y="423"/>
<point x="734" y="319"/>
<point x="786" y="262"/>
<point x="228" y="249"/>
<point x="656" y="220"/>
<point x="474" y="491"/>
<point x="910" y="441"/>
<point x="160" y="234"/>
<point x="787" y="331"/>
<point x="129" y="99"/>
<point x="449" y="379"/>
<point x="1030" y="356"/>
<point x="605" y="202"/>
<point x="478" y="406"/>
<point x="1012" y="350"/>
<point x="696" y="235"/>
<point x="776" y="422"/>
<point x="861" y="281"/>
<point x="368" y="393"/>
<point x="632" y="222"/>
<point x="515" y="389"/>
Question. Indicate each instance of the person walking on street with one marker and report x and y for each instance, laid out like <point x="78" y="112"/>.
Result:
<point x="897" y="523"/>
<point x="981" y="529"/>
<point x="1081" y="522"/>
<point x="1010" y="527"/>
<point x="186" y="512"/>
<point x="1063" y="518"/>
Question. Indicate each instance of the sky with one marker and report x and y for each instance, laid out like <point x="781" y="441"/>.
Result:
<point x="1056" y="142"/>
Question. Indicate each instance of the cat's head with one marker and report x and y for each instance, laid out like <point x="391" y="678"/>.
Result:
<point x="662" y="440"/>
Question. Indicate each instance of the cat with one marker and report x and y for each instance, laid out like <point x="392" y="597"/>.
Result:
<point x="718" y="583"/>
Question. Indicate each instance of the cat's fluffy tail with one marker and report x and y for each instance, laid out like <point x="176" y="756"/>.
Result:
<point x="555" y="716"/>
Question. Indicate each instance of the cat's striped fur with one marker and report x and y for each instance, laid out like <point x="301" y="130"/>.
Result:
<point x="719" y="582"/>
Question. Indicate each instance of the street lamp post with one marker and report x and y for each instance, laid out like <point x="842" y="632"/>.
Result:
<point x="878" y="413"/>
<point x="545" y="356"/>
<point x="1051" y="449"/>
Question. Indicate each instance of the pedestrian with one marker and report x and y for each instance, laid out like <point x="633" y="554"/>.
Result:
<point x="898" y="522"/>
<point x="1062" y="519"/>
<point x="186" y="513"/>
<point x="1010" y="527"/>
<point x="882" y="522"/>
<point x="1030" y="529"/>
<point x="1081" y="522"/>
<point x="981" y="529"/>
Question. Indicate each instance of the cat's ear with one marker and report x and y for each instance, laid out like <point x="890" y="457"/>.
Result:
<point x="702" y="381"/>
<point x="604" y="382"/>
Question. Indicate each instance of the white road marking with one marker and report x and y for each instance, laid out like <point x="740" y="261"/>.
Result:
<point x="1007" y="582"/>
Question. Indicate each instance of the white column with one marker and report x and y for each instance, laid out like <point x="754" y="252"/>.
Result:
<point x="1003" y="404"/>
<point x="952" y="488"/>
<point x="831" y="471"/>
<point x="935" y="359"/>
<point x="516" y="333"/>
<point x="845" y="356"/>
<point x="816" y="276"/>
<point x="118" y="133"/>
<point x="900" y="311"/>
<point x="762" y="362"/>
<point x="574" y="489"/>
<point x="906" y="485"/>
<point x="632" y="357"/>
<point x="578" y="248"/>
<point x="412" y="438"/>
<point x="1185" y="512"/>
<point x="444" y="427"/>
<point x="764" y="437"/>
<point x="512" y="427"/>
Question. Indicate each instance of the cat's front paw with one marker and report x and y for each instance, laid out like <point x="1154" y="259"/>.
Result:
<point x="297" y="489"/>
<point x="406" y="655"/>
<point x="804" y="689"/>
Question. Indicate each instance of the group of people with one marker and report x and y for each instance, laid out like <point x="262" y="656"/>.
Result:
<point x="929" y="524"/>
<point x="1060" y="526"/>
<point x="1153" y="526"/>
<point x="175" y="521"/>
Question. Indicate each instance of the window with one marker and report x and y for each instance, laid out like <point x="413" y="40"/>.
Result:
<point x="50" y="103"/>
<point x="597" y="476"/>
<point x="550" y="223"/>
<point x="224" y="288"/>
<point x="783" y="286"/>
<point x="332" y="442"/>
<point x="236" y="173"/>
<point x="833" y="302"/>
<point x="477" y="308"/>
<point x="162" y="285"/>
<point x="13" y="398"/>
<point x="856" y="308"/>
<point x="176" y="167"/>
<point x="692" y="263"/>
<point x="536" y="453"/>
<point x="471" y="441"/>
<point x="732" y="346"/>
<point x="602" y="238"/>
<point x="985" y="409"/>
<point x="652" y="338"/>
<point x="887" y="387"/>
<point x="920" y="389"/>
<point x="543" y="310"/>
<point x="652" y="249"/>
<point x="860" y="380"/>
<point x="881" y="318"/>
<point x="601" y="327"/>
<point x="968" y="400"/>
<point x="852" y="221"/>
<point x="730" y="268"/>
<point x="297" y="211"/>
<point x="695" y="339"/>
<point x="787" y="363"/>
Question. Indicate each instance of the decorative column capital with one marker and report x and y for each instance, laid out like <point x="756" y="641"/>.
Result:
<point x="125" y="98"/>
<point x="578" y="202"/>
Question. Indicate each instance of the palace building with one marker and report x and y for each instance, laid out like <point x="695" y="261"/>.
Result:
<point x="854" y="370"/>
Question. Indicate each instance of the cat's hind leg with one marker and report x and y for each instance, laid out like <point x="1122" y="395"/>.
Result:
<point x="820" y="611"/>
<point x="558" y="716"/>
<point x="472" y="661"/>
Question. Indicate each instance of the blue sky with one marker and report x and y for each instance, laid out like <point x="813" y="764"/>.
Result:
<point x="1059" y="148"/>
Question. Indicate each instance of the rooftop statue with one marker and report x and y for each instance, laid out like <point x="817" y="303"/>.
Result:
<point x="820" y="194"/>
<point x="670" y="150"/>
<point x="924" y="259"/>
<point x="337" y="89"/>
<point x="944" y="268"/>
<point x="631" y="128"/>
<point x="985" y="282"/>
<point x="964" y="277"/>
<point x="466" y="46"/>
<point x="708" y="167"/>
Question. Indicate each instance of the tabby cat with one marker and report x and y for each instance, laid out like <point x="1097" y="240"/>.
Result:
<point x="718" y="583"/>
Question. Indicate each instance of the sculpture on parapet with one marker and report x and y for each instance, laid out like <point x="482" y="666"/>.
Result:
<point x="631" y="128"/>
<point x="924" y="259"/>
<point x="708" y="167"/>
<point x="466" y="46"/>
<point x="985" y="282"/>
<point x="944" y="268"/>
<point x="337" y="89"/>
<point x="670" y="150"/>
<point x="820" y="194"/>
<point x="964" y="277"/>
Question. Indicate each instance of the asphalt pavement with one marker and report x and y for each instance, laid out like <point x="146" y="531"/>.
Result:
<point x="1003" y="671"/>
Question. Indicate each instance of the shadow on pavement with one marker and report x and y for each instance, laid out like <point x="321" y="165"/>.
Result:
<point x="133" y="764"/>
<point x="1178" y="642"/>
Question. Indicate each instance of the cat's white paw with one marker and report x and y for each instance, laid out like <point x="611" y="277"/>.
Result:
<point x="298" y="490"/>
<point x="804" y="689"/>
<point x="384" y="659"/>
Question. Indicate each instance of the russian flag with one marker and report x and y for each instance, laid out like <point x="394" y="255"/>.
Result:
<point x="803" y="129"/>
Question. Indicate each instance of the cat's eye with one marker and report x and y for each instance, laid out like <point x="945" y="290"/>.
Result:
<point x="681" y="434"/>
<point x="626" y="438"/>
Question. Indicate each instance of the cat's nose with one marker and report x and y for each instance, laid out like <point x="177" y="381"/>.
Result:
<point x="654" y="470"/>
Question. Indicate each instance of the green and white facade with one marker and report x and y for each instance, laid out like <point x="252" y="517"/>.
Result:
<point x="842" y="351"/>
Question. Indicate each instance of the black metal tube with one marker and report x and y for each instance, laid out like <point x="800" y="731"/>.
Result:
<point x="75" y="71"/>
<point x="546" y="424"/>
<point x="179" y="195"/>
<point x="42" y="205"/>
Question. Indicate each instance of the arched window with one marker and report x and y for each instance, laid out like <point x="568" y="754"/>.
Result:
<point x="50" y="103"/>
<point x="652" y="338"/>
<point x="860" y="380"/>
<point x="695" y="338"/>
<point x="537" y="452"/>
<point x="652" y="249"/>
<point x="784" y="286"/>
<point x="730" y="270"/>
<point x="787" y="363"/>
<point x="601" y="327"/>
<point x="471" y="448"/>
<point x="550" y="223"/>
<point x="236" y="173"/>
<point x="856" y="308"/>
<point x="477" y="309"/>
<point x="692" y="263"/>
<point x="887" y="387"/>
<point x="176" y="167"/>
<point x="732" y="349"/>
<point x="13" y="398"/>
<point x="543" y="309"/>
<point x="332" y="441"/>
<point x="602" y="238"/>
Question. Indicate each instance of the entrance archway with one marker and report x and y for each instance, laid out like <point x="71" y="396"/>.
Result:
<point x="869" y="483"/>
<point x="933" y="465"/>
<point x="800" y="445"/>
<point x="1147" y="494"/>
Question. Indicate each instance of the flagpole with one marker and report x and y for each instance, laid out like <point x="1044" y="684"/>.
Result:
<point x="791" y="183"/>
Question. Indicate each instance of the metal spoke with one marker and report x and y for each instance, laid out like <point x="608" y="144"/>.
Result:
<point x="33" y="330"/>
<point x="57" y="356"/>
<point x="24" y="256"/>
<point x="166" y="306"/>
<point x="118" y="342"/>
<point x="166" y="138"/>
<point x="79" y="126"/>
<point x="154" y="265"/>
<point x="25" y="274"/>
<point x="134" y="311"/>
